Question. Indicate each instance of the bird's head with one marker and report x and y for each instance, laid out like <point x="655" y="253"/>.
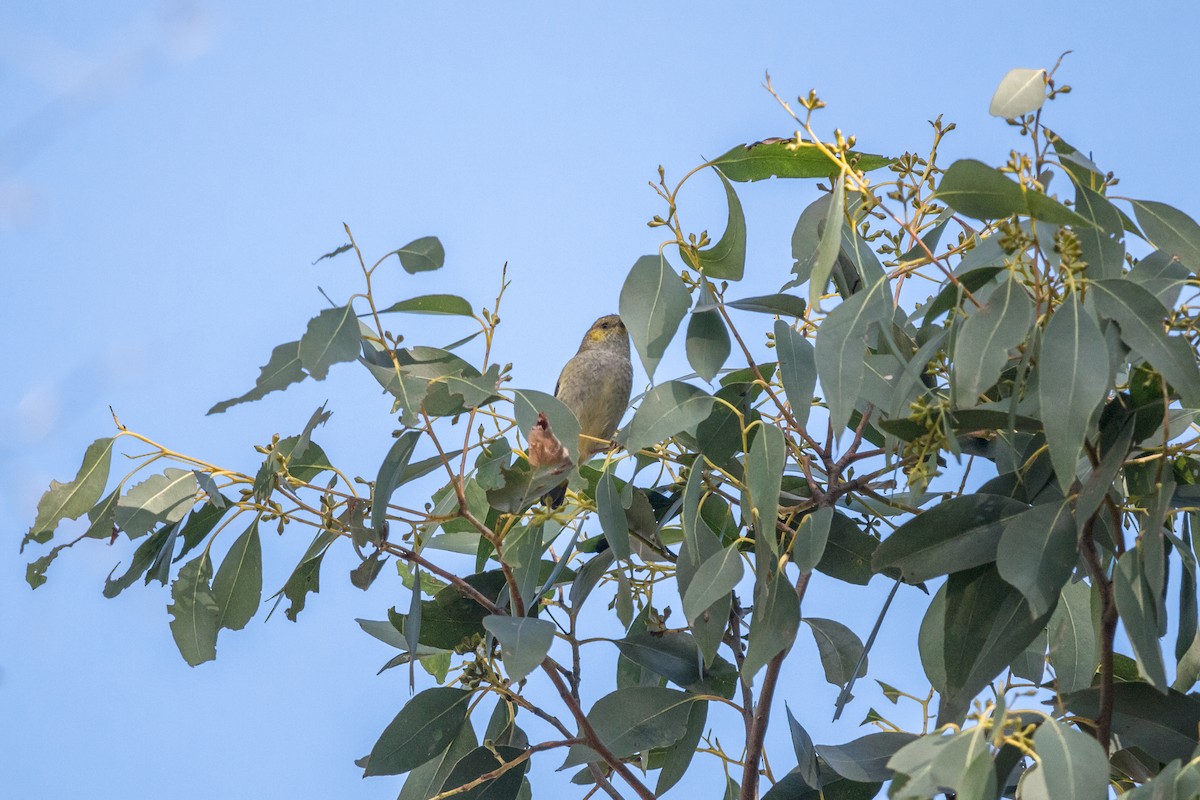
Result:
<point x="607" y="331"/>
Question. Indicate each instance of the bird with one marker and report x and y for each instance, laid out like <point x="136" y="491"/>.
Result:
<point x="595" y="384"/>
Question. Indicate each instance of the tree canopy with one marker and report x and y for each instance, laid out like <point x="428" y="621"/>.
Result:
<point x="978" y="382"/>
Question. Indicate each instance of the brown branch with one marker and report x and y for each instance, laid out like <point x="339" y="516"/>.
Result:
<point x="1108" y="628"/>
<point x="762" y="712"/>
<point x="503" y="768"/>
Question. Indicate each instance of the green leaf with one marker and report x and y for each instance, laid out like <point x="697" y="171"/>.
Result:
<point x="452" y="616"/>
<point x="1103" y="249"/>
<point x="958" y="764"/>
<point x="727" y="258"/>
<point x="421" y="255"/>
<point x="612" y="515"/>
<point x="1037" y="553"/>
<point x="1138" y="612"/>
<point x="707" y="344"/>
<point x="714" y="580"/>
<point x="811" y="538"/>
<point x="848" y="552"/>
<point x="160" y="499"/>
<point x="667" y="409"/>
<point x="306" y="577"/>
<point x="1073" y="764"/>
<point x="1171" y="231"/>
<point x="784" y="158"/>
<point x="70" y="500"/>
<point x="653" y="303"/>
<point x="1073" y="381"/>
<point x="282" y="369"/>
<point x="797" y="369"/>
<point x="977" y="190"/>
<point x="426" y="780"/>
<point x="954" y="535"/>
<point x="785" y="305"/>
<point x="806" y="753"/>
<point x="773" y="625"/>
<point x="1021" y="92"/>
<point x="987" y="625"/>
<point x="1164" y="725"/>
<point x="426" y="726"/>
<point x="931" y="641"/>
<point x="1140" y="317"/>
<point x="103" y="516"/>
<point x="432" y="304"/>
<point x="865" y="759"/>
<point x="391" y="476"/>
<point x="331" y="337"/>
<point x="1074" y="643"/>
<point x="524" y="642"/>
<point x="951" y="295"/>
<point x="679" y="755"/>
<point x="841" y="346"/>
<point x="335" y="252"/>
<point x="195" y="611"/>
<point x="840" y="650"/>
<point x="1162" y="276"/>
<point x="143" y="558"/>
<point x="831" y="242"/>
<point x="482" y="761"/>
<point x="237" y="588"/>
<point x="985" y="338"/>
<point x="764" y="478"/>
<point x="635" y="719"/>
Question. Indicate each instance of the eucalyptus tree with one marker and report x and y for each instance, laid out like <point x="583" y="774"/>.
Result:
<point x="942" y="327"/>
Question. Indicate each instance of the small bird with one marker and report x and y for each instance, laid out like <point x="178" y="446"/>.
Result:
<point x="595" y="384"/>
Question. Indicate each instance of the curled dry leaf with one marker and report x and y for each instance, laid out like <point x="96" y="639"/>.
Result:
<point x="545" y="450"/>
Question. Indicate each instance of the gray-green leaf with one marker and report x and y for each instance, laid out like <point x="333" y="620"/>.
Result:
<point x="985" y="338"/>
<point x="422" y="255"/>
<point x="331" y="337"/>
<point x="282" y="369"/>
<point x="635" y="719"/>
<point x="195" y="611"/>
<point x="426" y="726"/>
<point x="524" y="642"/>
<point x="653" y="303"/>
<point x="237" y="588"/>
<point x="797" y="369"/>
<point x="70" y="500"/>
<point x="667" y="409"/>
<point x="1037" y="553"/>
<point x="1171" y="231"/>
<point x="159" y="499"/>
<point x="715" y="579"/>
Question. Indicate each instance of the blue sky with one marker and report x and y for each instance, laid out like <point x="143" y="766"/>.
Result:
<point x="168" y="173"/>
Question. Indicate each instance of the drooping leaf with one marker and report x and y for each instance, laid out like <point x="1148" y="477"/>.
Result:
<point x="831" y="242"/>
<point x="1021" y="92"/>
<point x="282" y="369"/>
<point x="1171" y="231"/>
<point x="524" y="642"/>
<point x="841" y="345"/>
<point x="840" y="650"/>
<point x="1073" y="764"/>
<point x="679" y="755"/>
<point x="653" y="303"/>
<point x="1102" y="248"/>
<point x="70" y="500"/>
<point x="797" y="370"/>
<point x="952" y="294"/>
<point x="195" y="611"/>
<point x="160" y="499"/>
<point x="450" y="304"/>
<point x="773" y="625"/>
<point x="237" y="587"/>
<point x="426" y="780"/>
<point x="306" y="577"/>
<point x="714" y="580"/>
<point x="667" y="409"/>
<point x="146" y="555"/>
<point x="707" y="344"/>
<point x="785" y="158"/>
<point x="1074" y="643"/>
<point x="764" y="477"/>
<point x="422" y="255"/>
<point x="1138" y="611"/>
<point x="725" y="260"/>
<point x="1037" y="553"/>
<point x="1073" y="380"/>
<point x="635" y="719"/>
<point x="985" y="338"/>
<point x="811" y="537"/>
<point x="426" y="726"/>
<point x="390" y="477"/>
<point x="806" y="753"/>
<point x="1140" y="317"/>
<point x="959" y="764"/>
<point x="987" y="625"/>
<point x="848" y="552"/>
<point x="977" y="190"/>
<point x="954" y="535"/>
<point x="337" y="251"/>
<point x="612" y="515"/>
